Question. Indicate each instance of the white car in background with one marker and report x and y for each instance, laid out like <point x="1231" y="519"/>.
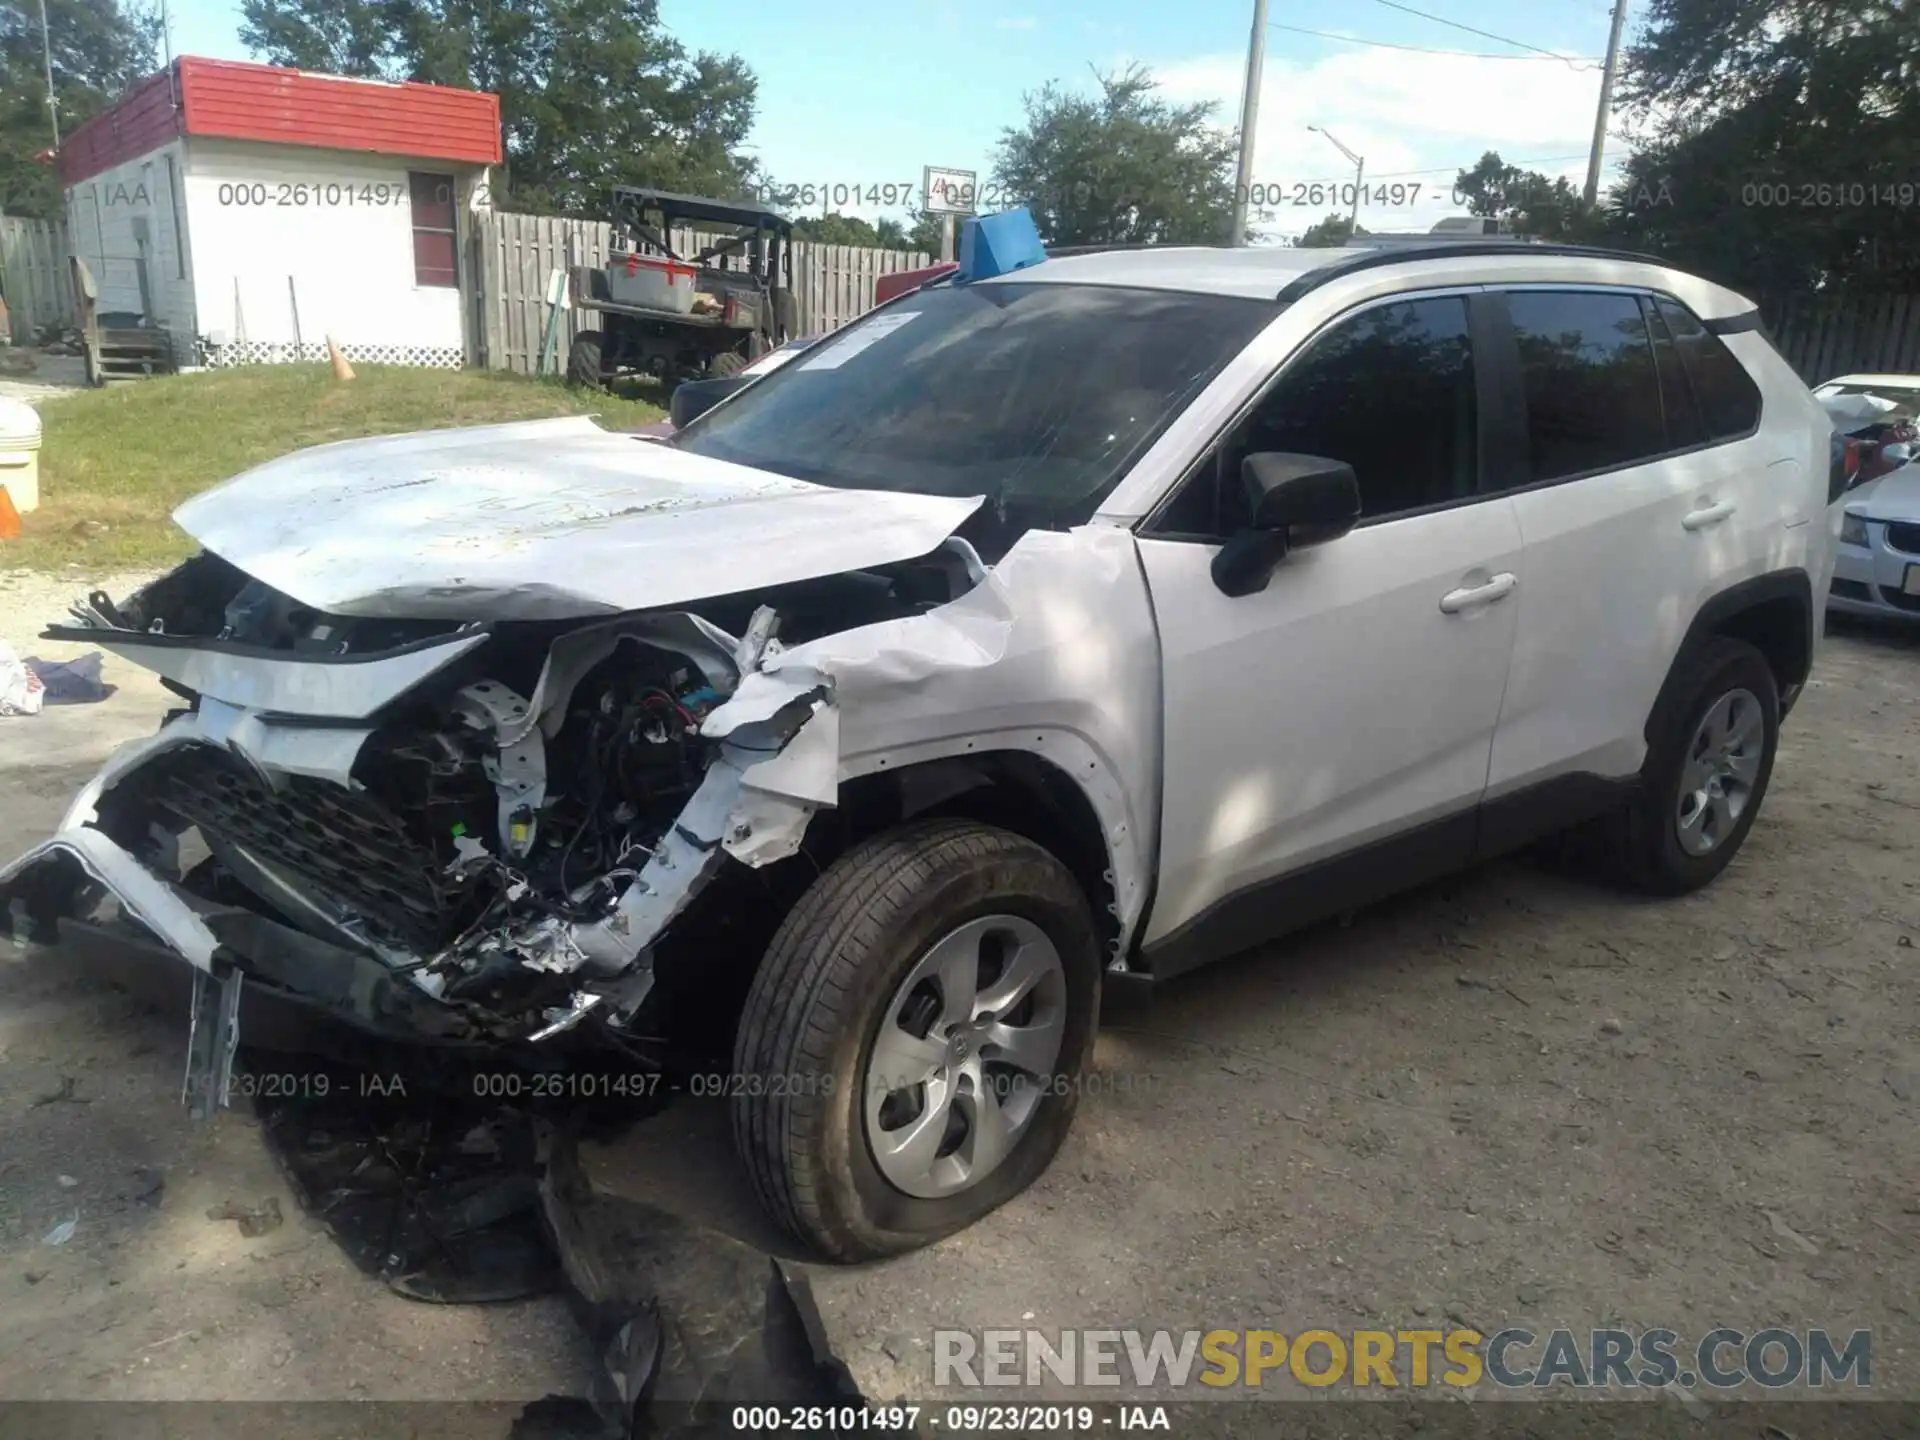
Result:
<point x="1877" y="565"/>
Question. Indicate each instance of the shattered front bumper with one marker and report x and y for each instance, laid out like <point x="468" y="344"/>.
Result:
<point x="776" y="763"/>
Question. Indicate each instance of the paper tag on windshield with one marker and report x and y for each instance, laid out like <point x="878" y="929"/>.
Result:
<point x="836" y="353"/>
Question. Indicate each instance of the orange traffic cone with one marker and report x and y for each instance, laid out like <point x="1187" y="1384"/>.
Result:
<point x="9" y="517"/>
<point x="341" y="369"/>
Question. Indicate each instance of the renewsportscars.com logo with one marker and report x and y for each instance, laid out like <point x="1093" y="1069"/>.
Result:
<point x="1514" y="1358"/>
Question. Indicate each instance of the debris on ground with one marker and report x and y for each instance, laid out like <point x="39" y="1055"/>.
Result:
<point x="687" y="1321"/>
<point x="67" y="1182"/>
<point x="63" y="1232"/>
<point x="149" y="1184"/>
<point x="64" y="1095"/>
<point x="1788" y="1233"/>
<point x="434" y="1195"/>
<point x="254" y="1220"/>
<point x="21" y="692"/>
<point x="450" y="1198"/>
<point x="70" y="682"/>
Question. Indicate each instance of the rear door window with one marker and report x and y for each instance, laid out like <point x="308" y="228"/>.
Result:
<point x="1592" y="393"/>
<point x="1684" y="426"/>
<point x="1729" y="399"/>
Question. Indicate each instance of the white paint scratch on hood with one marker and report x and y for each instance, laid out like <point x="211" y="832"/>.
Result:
<point x="543" y="519"/>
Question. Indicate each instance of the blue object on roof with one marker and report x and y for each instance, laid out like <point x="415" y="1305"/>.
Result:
<point x="993" y="245"/>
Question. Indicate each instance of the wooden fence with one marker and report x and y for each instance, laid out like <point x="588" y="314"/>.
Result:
<point x="516" y="254"/>
<point x="35" y="278"/>
<point x="1823" y="336"/>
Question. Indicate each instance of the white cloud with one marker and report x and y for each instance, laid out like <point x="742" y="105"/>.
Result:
<point x="1403" y="112"/>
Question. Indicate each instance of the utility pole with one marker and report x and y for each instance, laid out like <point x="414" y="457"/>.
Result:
<point x="1249" y="120"/>
<point x="46" y="51"/>
<point x="1592" y="192"/>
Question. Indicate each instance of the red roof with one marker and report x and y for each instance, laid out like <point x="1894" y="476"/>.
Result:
<point x="239" y="101"/>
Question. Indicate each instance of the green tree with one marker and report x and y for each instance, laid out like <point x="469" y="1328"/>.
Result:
<point x="593" y="93"/>
<point x="1778" y="139"/>
<point x="1530" y="202"/>
<point x="923" y="233"/>
<point x="100" y="47"/>
<point x="1121" y="168"/>
<point x="1330" y="233"/>
<point x="837" y="229"/>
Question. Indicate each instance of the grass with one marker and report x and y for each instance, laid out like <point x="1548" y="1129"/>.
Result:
<point x="115" y="462"/>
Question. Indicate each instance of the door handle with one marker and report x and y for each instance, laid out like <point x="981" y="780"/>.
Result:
<point x="1498" y="588"/>
<point x="1709" y="515"/>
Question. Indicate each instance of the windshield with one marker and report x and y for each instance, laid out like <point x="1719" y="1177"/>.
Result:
<point x="1038" y="396"/>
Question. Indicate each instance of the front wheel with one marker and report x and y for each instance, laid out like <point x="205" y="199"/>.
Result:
<point x="914" y="1042"/>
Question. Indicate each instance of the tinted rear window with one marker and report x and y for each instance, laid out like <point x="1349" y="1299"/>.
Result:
<point x="1729" y="399"/>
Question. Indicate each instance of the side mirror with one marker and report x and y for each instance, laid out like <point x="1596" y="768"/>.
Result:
<point x="1295" y="501"/>
<point x="693" y="398"/>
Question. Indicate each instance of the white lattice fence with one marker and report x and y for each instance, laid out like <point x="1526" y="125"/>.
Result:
<point x="274" y="352"/>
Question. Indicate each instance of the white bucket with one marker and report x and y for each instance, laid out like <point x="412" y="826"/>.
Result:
<point x="20" y="454"/>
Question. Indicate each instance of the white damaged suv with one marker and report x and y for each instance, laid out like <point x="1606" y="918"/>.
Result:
<point x="1096" y="619"/>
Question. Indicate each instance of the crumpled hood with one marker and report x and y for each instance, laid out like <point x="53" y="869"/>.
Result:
<point x="541" y="520"/>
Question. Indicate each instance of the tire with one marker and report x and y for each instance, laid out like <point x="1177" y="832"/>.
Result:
<point x="810" y="1035"/>
<point x="727" y="362"/>
<point x="1655" y="850"/>
<point x="583" y="360"/>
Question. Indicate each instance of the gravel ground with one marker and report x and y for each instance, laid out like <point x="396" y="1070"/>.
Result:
<point x="1515" y="1098"/>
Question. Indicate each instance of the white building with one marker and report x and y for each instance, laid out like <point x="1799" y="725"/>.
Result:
<point x="241" y="207"/>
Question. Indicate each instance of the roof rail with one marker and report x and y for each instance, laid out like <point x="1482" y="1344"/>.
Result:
<point x="1351" y="263"/>
<point x="1055" y="252"/>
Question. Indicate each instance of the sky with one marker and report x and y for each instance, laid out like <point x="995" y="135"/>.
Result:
<point x="864" y="93"/>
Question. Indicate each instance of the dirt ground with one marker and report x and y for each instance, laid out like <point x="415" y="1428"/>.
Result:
<point x="1515" y="1098"/>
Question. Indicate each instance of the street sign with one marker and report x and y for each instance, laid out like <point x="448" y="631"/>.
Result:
<point x="949" y="192"/>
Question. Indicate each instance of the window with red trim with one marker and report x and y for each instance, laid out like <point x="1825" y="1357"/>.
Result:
<point x="435" y="259"/>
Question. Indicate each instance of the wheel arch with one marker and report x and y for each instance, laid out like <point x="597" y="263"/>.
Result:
<point x="1774" y="613"/>
<point x="1052" y="788"/>
<point x="1064" y="799"/>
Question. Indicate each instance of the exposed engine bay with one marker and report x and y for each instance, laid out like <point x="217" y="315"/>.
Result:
<point x="476" y="830"/>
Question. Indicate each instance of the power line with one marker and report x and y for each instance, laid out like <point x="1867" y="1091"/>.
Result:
<point x="1455" y="24"/>
<point x="1424" y="49"/>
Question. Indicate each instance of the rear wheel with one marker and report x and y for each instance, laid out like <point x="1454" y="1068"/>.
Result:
<point x="911" y="1051"/>
<point x="584" y="360"/>
<point x="1705" y="774"/>
<point x="727" y="362"/>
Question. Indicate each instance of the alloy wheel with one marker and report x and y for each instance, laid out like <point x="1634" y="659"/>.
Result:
<point x="1718" y="774"/>
<point x="965" y="1055"/>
